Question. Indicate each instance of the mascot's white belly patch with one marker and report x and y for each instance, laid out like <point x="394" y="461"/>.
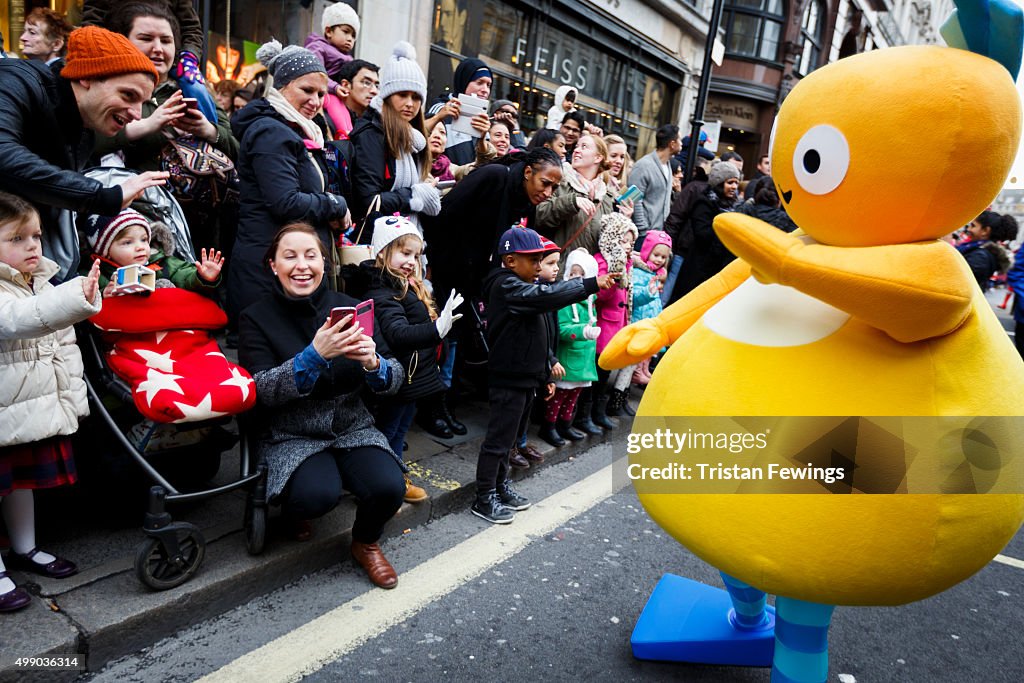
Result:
<point x="773" y="315"/>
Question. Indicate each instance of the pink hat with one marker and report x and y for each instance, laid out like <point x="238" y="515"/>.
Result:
<point x="651" y="240"/>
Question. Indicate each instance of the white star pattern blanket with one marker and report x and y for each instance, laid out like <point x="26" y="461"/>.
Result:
<point x="160" y="345"/>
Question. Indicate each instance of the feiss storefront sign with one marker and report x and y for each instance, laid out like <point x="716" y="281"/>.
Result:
<point x="547" y="62"/>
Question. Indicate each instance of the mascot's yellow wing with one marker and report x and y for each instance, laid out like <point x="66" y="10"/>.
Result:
<point x="645" y="338"/>
<point x="911" y="291"/>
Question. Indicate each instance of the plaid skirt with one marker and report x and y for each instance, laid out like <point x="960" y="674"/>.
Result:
<point x="38" y="465"/>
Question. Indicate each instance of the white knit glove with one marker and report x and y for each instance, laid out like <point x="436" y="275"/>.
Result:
<point x="446" y="319"/>
<point x="591" y="332"/>
<point x="425" y="199"/>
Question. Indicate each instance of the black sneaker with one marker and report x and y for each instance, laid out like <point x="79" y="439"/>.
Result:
<point x="488" y="506"/>
<point x="510" y="498"/>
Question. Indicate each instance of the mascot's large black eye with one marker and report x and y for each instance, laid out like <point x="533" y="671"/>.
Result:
<point x="812" y="161"/>
<point x="821" y="159"/>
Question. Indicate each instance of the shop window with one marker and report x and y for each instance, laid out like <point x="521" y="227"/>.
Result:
<point x="530" y="57"/>
<point x="811" y="31"/>
<point x="753" y="28"/>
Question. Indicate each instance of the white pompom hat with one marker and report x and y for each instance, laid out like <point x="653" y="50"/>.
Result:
<point x="401" y="73"/>
<point x="339" y="14"/>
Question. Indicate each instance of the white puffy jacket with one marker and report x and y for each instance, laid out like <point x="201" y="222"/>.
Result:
<point x="42" y="393"/>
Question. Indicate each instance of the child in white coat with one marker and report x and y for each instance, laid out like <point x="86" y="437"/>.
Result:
<point x="42" y="393"/>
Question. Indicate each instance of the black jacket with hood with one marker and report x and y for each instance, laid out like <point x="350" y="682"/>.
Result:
<point x="517" y="327"/>
<point x="280" y="181"/>
<point x="405" y="325"/>
<point x="373" y="172"/>
<point x="43" y="146"/>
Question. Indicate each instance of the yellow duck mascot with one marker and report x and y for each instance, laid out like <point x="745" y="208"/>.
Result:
<point x="861" y="315"/>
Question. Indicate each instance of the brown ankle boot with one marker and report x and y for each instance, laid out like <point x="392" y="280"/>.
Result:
<point x="414" y="493"/>
<point x="370" y="557"/>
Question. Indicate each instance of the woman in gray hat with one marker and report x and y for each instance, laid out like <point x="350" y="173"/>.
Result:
<point x="281" y="167"/>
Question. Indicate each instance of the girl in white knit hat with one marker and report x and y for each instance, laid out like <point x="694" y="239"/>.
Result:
<point x="391" y="157"/>
<point x="411" y="325"/>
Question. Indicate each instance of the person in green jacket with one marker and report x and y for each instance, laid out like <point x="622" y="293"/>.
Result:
<point x="126" y="239"/>
<point x="577" y="352"/>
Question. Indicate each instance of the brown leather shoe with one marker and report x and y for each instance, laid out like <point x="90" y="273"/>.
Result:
<point x="370" y="557"/>
<point x="516" y="459"/>
<point x="531" y="453"/>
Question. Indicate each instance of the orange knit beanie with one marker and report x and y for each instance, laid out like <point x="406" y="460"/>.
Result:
<point x="95" y="52"/>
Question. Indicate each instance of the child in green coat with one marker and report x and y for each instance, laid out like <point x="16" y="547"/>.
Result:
<point x="126" y="239"/>
<point x="577" y="352"/>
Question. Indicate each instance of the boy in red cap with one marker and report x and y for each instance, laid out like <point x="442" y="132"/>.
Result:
<point x="47" y="121"/>
<point x="519" y="359"/>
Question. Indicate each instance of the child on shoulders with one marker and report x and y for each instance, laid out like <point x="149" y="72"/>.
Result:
<point x="340" y="25"/>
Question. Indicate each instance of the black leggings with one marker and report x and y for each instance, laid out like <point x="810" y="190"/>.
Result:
<point x="369" y="473"/>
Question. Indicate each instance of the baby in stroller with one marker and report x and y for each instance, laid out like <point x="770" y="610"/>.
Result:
<point x="160" y="340"/>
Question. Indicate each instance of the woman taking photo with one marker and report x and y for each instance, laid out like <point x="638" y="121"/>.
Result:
<point x="708" y="255"/>
<point x="154" y="30"/>
<point x="317" y="436"/>
<point x="392" y="160"/>
<point x="572" y="218"/>
<point x="281" y="169"/>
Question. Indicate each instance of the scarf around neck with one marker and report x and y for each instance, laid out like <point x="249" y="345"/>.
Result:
<point x="310" y="131"/>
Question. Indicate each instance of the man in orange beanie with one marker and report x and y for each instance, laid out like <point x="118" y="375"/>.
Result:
<point x="47" y="121"/>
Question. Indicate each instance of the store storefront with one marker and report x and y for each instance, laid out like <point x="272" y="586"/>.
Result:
<point x="627" y="86"/>
<point x="746" y="124"/>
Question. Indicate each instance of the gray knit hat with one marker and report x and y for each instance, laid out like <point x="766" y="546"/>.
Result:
<point x="401" y="73"/>
<point x="722" y="171"/>
<point x="287" y="64"/>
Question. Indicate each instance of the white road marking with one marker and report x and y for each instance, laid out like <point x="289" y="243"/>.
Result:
<point x="1012" y="561"/>
<point x="312" y="646"/>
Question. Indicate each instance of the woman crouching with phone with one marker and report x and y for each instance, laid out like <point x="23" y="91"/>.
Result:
<point x="317" y="436"/>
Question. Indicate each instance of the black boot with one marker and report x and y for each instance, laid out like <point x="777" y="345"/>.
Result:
<point x="599" y="413"/>
<point x="582" y="420"/>
<point x="615" y="401"/>
<point x="618" y="404"/>
<point x="567" y="431"/>
<point x="429" y="417"/>
<point x="550" y="434"/>
<point x="452" y="421"/>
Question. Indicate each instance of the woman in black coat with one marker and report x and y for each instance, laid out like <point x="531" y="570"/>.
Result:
<point x="316" y="436"/>
<point x="281" y="169"/>
<point x="390" y="156"/>
<point x="708" y="255"/>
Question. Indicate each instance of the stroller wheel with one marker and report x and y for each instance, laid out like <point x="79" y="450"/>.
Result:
<point x="155" y="566"/>
<point x="255" y="526"/>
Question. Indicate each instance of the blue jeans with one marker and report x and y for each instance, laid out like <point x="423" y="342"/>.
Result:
<point x="393" y="420"/>
<point x="447" y="367"/>
<point x="670" y="281"/>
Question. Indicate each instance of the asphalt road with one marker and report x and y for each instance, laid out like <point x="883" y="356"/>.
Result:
<point x="555" y="596"/>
